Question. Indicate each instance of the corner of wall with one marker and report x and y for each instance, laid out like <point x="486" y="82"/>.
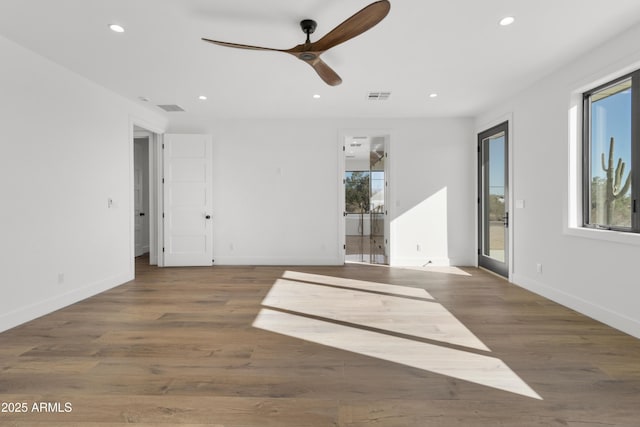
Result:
<point x="42" y="308"/>
<point x="587" y="308"/>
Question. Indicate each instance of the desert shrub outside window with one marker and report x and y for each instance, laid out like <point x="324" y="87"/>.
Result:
<point x="611" y="152"/>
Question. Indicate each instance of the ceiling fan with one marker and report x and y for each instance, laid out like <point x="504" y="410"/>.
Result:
<point x="310" y="52"/>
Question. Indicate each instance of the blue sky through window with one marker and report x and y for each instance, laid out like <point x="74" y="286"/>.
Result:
<point x="611" y="117"/>
<point x="496" y="166"/>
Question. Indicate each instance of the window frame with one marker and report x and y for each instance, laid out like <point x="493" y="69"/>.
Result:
<point x="635" y="154"/>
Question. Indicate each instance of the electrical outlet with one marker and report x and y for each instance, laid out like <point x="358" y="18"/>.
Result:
<point x="418" y="248"/>
<point x="539" y="268"/>
<point x="60" y="278"/>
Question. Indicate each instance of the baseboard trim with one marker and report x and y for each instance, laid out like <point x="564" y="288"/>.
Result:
<point x="33" y="311"/>
<point x="275" y="261"/>
<point x="595" y="311"/>
<point x="421" y="262"/>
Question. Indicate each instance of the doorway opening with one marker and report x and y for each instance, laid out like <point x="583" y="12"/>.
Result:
<point x="366" y="225"/>
<point x="147" y="228"/>
<point x="141" y="195"/>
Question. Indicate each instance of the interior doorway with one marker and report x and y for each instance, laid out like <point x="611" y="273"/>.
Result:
<point x="366" y="192"/>
<point x="141" y="195"/>
<point x="146" y="175"/>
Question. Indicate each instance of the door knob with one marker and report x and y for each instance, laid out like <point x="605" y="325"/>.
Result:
<point x="141" y="214"/>
<point x="207" y="216"/>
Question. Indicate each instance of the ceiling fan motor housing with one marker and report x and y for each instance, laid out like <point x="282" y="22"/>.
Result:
<point x="308" y="26"/>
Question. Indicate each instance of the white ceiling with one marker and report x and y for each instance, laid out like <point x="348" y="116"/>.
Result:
<point x="453" y="47"/>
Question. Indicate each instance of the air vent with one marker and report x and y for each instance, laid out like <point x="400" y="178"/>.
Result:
<point x="379" y="96"/>
<point x="171" y="108"/>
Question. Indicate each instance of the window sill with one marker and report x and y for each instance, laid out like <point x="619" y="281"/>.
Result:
<point x="605" y="235"/>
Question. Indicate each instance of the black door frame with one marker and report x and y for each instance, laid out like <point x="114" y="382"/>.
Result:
<point x="498" y="267"/>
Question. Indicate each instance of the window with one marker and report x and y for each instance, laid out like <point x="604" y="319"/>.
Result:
<point x="377" y="191"/>
<point x="364" y="191"/>
<point x="611" y="153"/>
<point x="357" y="191"/>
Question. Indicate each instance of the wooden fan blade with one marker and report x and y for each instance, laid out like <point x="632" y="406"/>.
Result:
<point x="242" y="46"/>
<point x="325" y="72"/>
<point x="354" y="26"/>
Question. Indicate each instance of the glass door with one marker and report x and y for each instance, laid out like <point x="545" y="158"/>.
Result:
<point x="365" y="180"/>
<point x="493" y="200"/>
<point x="377" y="210"/>
<point x="357" y="209"/>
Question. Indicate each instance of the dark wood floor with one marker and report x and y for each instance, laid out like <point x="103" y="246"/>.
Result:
<point x="178" y="346"/>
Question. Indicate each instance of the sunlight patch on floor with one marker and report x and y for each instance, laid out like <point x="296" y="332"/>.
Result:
<point x="419" y="318"/>
<point x="357" y="284"/>
<point x="368" y="320"/>
<point x="476" y="368"/>
<point x="441" y="269"/>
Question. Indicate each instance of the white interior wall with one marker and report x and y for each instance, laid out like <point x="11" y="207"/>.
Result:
<point x="276" y="186"/>
<point x="66" y="149"/>
<point x="433" y="195"/>
<point x="594" y="272"/>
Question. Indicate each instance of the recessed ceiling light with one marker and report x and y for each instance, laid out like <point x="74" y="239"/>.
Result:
<point x="116" y="28"/>
<point x="316" y="96"/>
<point x="507" y="20"/>
<point x="202" y="98"/>
<point x="433" y="95"/>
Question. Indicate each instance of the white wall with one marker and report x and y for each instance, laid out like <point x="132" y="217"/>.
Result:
<point x="433" y="193"/>
<point x="276" y="186"/>
<point x="591" y="271"/>
<point x="66" y="147"/>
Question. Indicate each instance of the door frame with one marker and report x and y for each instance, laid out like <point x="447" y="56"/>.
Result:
<point x="142" y="128"/>
<point x="487" y="128"/>
<point x="388" y="137"/>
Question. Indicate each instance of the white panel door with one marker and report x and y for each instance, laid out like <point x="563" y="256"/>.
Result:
<point x="188" y="229"/>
